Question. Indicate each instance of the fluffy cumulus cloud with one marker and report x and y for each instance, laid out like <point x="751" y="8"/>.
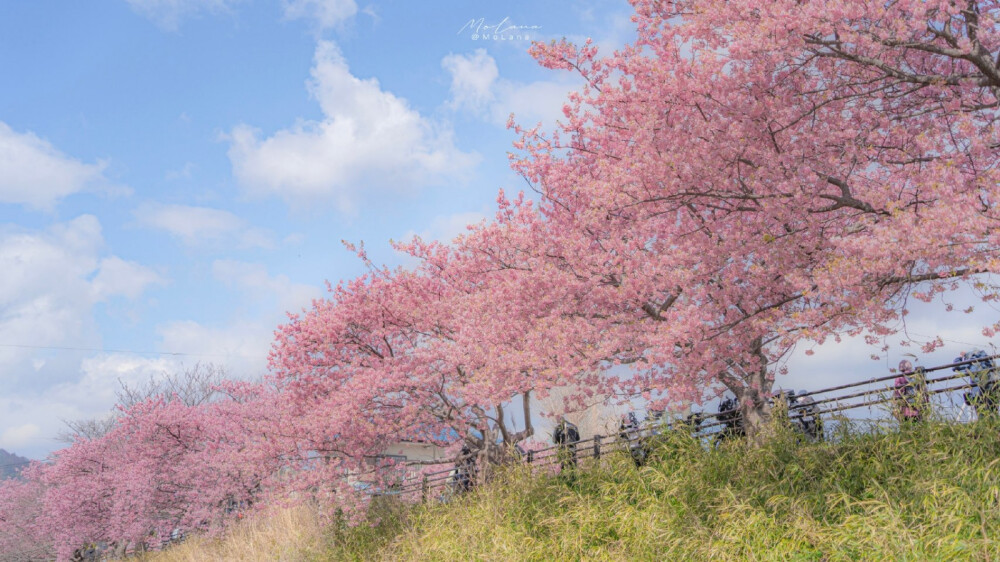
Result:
<point x="103" y="376"/>
<point x="52" y="280"/>
<point x="443" y="228"/>
<point x="476" y="87"/>
<point x="36" y="174"/>
<point x="118" y="277"/>
<point x="473" y="79"/>
<point x="325" y="13"/>
<point x="202" y="225"/>
<point x="31" y="414"/>
<point x="368" y="139"/>
<point x="169" y="13"/>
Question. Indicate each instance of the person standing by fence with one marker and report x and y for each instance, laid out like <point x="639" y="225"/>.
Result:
<point x="628" y="432"/>
<point x="807" y="414"/>
<point x="462" y="477"/>
<point x="566" y="436"/>
<point x="984" y="395"/>
<point x="910" y="400"/>
<point x="731" y="419"/>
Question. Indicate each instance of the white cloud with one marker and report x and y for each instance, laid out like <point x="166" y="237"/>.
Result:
<point x="253" y="279"/>
<point x="368" y="139"/>
<point x="294" y="239"/>
<point x="200" y="225"/>
<point x="169" y="13"/>
<point x="326" y="13"/>
<point x="36" y="174"/>
<point x="473" y="79"/>
<point x="369" y="11"/>
<point x="531" y="103"/>
<point x="450" y="226"/>
<point x="18" y="436"/>
<point x="119" y="277"/>
<point x="103" y="376"/>
<point x="241" y="347"/>
<point x="53" y="279"/>
<point x="476" y="87"/>
<point x="34" y="262"/>
<point x="241" y="344"/>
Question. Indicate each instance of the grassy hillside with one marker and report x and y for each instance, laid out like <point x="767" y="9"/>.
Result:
<point x="927" y="493"/>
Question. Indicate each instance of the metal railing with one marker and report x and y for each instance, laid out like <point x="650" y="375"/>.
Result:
<point x="439" y="483"/>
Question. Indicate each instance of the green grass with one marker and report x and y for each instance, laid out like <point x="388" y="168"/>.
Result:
<point x="930" y="492"/>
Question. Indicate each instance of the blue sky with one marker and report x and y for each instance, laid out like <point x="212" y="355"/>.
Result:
<point x="176" y="174"/>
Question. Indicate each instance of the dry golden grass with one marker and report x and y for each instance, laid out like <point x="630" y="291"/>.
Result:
<point x="288" y="535"/>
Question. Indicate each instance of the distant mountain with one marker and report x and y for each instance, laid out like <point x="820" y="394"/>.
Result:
<point x="11" y="465"/>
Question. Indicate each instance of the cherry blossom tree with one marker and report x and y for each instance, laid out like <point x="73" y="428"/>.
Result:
<point x="744" y="178"/>
<point x="163" y="466"/>
<point x="169" y="463"/>
<point x="20" y="540"/>
<point x="750" y="175"/>
<point x="389" y="358"/>
<point x="194" y="385"/>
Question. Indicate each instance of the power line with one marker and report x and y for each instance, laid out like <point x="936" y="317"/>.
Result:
<point x="101" y="350"/>
<point x="951" y="341"/>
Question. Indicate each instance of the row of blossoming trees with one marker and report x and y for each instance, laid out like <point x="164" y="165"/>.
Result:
<point x="747" y="176"/>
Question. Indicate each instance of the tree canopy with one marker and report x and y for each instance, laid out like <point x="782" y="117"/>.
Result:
<point x="745" y="177"/>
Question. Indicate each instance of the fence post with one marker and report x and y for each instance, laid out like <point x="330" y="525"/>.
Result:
<point x="423" y="489"/>
<point x="531" y="457"/>
<point x="597" y="446"/>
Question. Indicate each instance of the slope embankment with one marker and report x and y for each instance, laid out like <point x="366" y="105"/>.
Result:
<point x="927" y="492"/>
